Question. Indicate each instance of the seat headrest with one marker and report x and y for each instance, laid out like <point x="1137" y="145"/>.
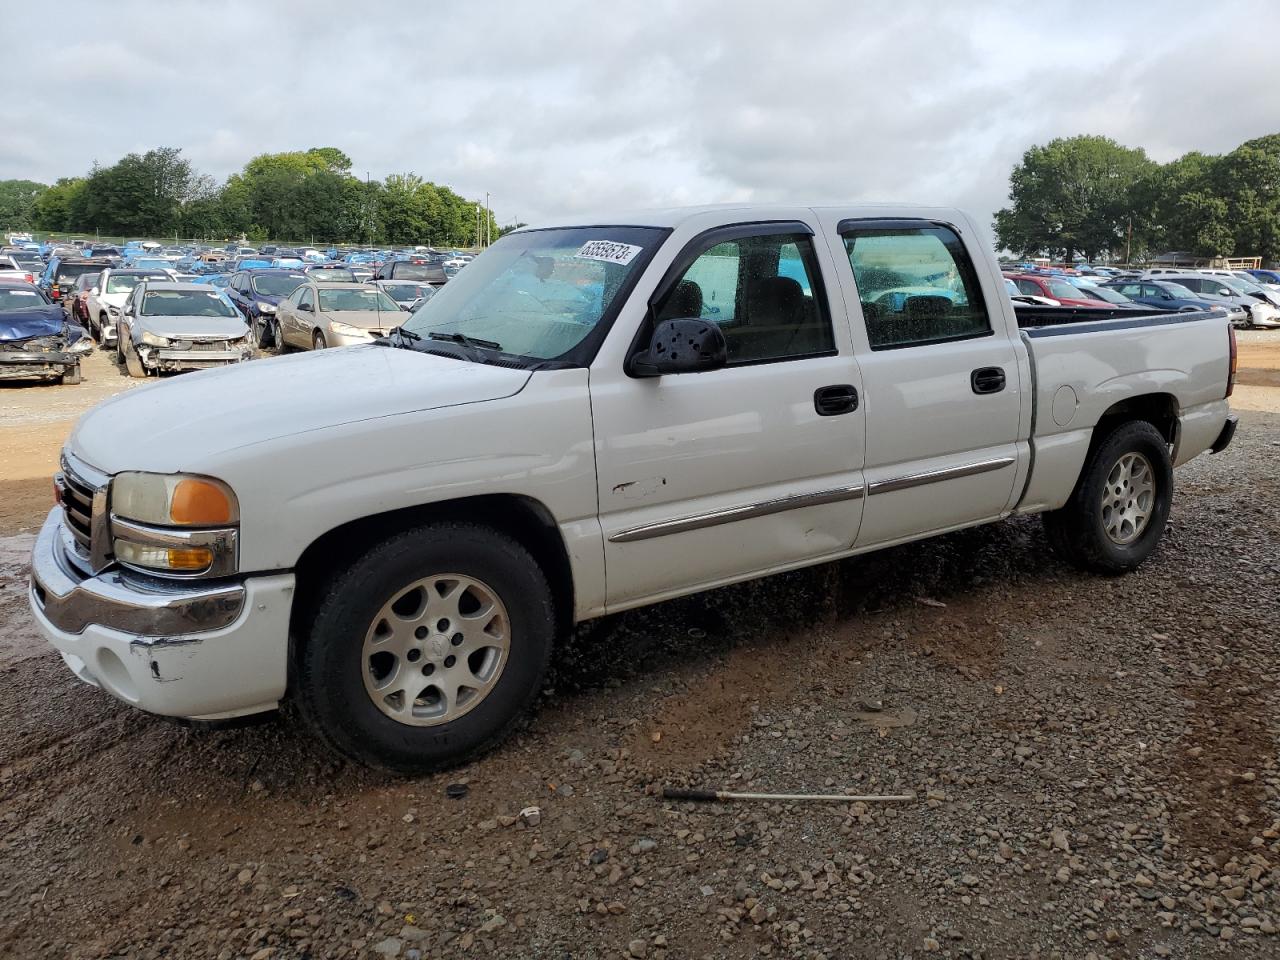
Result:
<point x="777" y="300"/>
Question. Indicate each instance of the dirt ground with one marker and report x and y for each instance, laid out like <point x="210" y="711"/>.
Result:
<point x="1095" y="765"/>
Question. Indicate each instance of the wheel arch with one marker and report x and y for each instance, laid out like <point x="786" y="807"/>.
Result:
<point x="1161" y="410"/>
<point x="525" y="519"/>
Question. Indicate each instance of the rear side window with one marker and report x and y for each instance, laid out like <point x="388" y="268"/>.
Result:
<point x="917" y="284"/>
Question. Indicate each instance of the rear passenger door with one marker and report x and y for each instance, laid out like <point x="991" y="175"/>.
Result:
<point x="940" y="378"/>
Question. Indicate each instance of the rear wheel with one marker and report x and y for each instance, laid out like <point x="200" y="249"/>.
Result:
<point x="429" y="649"/>
<point x="1120" y="506"/>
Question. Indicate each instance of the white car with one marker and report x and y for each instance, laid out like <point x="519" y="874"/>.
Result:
<point x="393" y="535"/>
<point x="106" y="299"/>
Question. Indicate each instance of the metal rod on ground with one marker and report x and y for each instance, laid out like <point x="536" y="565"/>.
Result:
<point x="672" y="793"/>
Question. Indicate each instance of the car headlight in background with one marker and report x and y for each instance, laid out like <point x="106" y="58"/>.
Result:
<point x="264" y="307"/>
<point x="175" y="524"/>
<point x="153" y="340"/>
<point x="347" y="330"/>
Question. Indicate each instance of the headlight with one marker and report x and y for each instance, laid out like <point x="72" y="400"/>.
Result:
<point x="152" y="340"/>
<point x="83" y="345"/>
<point x="173" y="499"/>
<point x="347" y="330"/>
<point x="174" y="524"/>
<point x="264" y="307"/>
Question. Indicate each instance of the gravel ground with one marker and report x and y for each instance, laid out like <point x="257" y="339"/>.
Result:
<point x="1094" y="764"/>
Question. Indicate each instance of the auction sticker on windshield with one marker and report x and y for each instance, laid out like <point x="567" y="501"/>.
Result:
<point x="608" y="251"/>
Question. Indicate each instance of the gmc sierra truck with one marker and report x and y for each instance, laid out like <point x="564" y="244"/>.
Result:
<point x="590" y="417"/>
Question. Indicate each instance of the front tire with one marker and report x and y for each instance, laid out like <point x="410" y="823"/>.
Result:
<point x="1120" y="506"/>
<point x="132" y="362"/>
<point x="428" y="650"/>
<point x="318" y="341"/>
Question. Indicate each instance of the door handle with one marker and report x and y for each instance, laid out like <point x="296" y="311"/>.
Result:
<point x="836" y="399"/>
<point x="987" y="380"/>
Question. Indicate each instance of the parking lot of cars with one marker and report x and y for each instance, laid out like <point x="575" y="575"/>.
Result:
<point x="226" y="307"/>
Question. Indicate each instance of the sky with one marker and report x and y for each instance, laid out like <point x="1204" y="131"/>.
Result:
<point x="557" y="107"/>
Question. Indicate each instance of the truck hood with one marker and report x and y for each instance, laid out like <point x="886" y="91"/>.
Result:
<point x="173" y="425"/>
<point x="41" y="321"/>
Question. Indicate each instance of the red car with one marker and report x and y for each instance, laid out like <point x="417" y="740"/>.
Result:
<point x="1042" y="285"/>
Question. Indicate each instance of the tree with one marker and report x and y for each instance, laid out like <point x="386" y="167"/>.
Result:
<point x="51" y="209"/>
<point x="17" y="203"/>
<point x="1071" y="195"/>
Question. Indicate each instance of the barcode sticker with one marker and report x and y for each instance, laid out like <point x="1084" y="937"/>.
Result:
<point x="608" y="251"/>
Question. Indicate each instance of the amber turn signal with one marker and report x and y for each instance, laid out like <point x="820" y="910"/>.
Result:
<point x="199" y="503"/>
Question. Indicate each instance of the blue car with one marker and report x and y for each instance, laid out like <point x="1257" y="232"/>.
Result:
<point x="1266" y="276"/>
<point x="256" y="293"/>
<point x="217" y="280"/>
<point x="1162" y="294"/>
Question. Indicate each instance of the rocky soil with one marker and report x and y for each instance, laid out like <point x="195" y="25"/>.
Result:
<point x="1094" y="766"/>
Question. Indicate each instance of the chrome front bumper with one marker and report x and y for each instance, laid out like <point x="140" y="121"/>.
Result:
<point x="198" y="650"/>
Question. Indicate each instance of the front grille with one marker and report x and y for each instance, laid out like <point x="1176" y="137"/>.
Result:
<point x="77" y="510"/>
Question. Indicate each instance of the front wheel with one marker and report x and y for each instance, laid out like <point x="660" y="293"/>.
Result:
<point x="1120" y="506"/>
<point x="429" y="649"/>
<point x="132" y="362"/>
<point x="318" y="341"/>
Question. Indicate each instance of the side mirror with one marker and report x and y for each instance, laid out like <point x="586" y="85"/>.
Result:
<point x="685" y="345"/>
<point x="94" y="291"/>
<point x="305" y="307"/>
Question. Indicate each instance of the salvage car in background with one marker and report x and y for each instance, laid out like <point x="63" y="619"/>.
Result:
<point x="107" y="297"/>
<point x="1167" y="295"/>
<point x="37" y="342"/>
<point x="319" y="315"/>
<point x="170" y="327"/>
<point x="257" y="293"/>
<point x="406" y="293"/>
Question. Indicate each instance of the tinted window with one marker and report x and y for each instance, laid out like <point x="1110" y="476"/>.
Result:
<point x="760" y="292"/>
<point x="185" y="303"/>
<point x="277" y="285"/>
<point x="917" y="285"/>
<point x="1029" y="287"/>
<point x="17" y="298"/>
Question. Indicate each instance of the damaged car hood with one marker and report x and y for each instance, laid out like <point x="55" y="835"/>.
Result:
<point x="174" y="425"/>
<point x="191" y="328"/>
<point x="42" y="321"/>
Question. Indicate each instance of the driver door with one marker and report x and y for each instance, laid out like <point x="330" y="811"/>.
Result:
<point x="709" y="477"/>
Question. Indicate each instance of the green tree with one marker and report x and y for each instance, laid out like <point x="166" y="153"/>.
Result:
<point x="1071" y="195"/>
<point x="17" y="203"/>
<point x="51" y="210"/>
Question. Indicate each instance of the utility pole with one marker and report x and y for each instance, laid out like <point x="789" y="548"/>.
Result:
<point x="1128" y="244"/>
<point x="487" y="240"/>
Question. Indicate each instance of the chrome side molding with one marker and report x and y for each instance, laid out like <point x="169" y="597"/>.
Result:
<point x="936" y="476"/>
<point x="714" y="518"/>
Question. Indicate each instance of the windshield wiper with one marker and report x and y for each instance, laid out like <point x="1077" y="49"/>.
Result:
<point x="399" y="337"/>
<point x="463" y="339"/>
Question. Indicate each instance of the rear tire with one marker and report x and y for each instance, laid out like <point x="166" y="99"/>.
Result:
<point x="408" y="732"/>
<point x="1120" y="506"/>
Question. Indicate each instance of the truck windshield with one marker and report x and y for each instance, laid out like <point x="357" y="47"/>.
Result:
<point x="541" y="293"/>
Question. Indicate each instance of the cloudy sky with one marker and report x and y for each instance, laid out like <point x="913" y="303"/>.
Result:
<point x="555" y="107"/>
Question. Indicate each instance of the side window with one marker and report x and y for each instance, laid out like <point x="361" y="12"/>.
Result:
<point x="761" y="292"/>
<point x="304" y="297"/>
<point x="1029" y="287"/>
<point x="917" y="285"/>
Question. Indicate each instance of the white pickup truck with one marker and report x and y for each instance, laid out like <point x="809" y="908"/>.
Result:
<point x="592" y="417"/>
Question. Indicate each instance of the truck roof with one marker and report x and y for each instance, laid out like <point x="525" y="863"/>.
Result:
<point x="671" y="217"/>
